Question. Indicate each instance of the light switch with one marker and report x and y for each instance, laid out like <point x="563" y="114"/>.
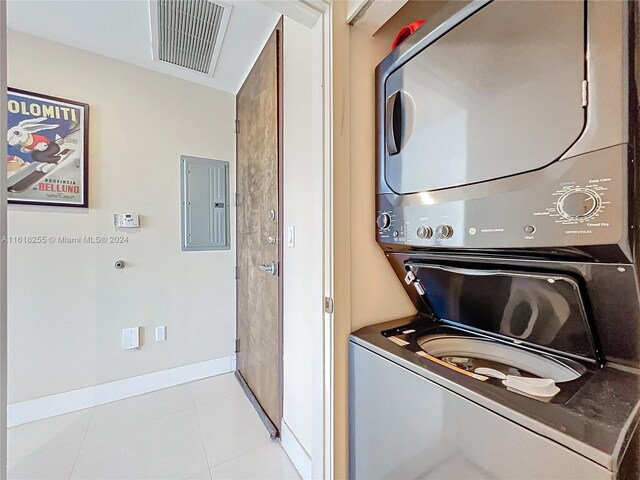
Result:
<point x="161" y="334"/>
<point x="131" y="338"/>
<point x="291" y="236"/>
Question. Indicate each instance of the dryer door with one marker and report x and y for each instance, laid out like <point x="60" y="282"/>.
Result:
<point x="498" y="95"/>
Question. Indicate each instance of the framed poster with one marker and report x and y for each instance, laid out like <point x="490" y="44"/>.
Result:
<point x="47" y="150"/>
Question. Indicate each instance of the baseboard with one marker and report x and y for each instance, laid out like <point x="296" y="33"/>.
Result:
<point x="295" y="451"/>
<point x="61" y="403"/>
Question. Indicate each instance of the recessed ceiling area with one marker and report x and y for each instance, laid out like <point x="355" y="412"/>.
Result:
<point x="122" y="30"/>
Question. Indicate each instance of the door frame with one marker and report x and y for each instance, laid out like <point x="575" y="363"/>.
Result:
<point x="279" y="32"/>
<point x="319" y="15"/>
<point x="273" y="426"/>
<point x="323" y="347"/>
<point x="325" y="466"/>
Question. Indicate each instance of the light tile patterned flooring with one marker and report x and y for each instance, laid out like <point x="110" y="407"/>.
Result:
<point x="201" y="430"/>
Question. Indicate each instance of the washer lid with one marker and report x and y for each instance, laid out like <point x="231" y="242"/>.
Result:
<point x="542" y="310"/>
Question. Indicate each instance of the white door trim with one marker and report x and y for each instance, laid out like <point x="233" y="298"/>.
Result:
<point x="295" y="450"/>
<point x="317" y="15"/>
<point x="328" y="354"/>
<point x="304" y="11"/>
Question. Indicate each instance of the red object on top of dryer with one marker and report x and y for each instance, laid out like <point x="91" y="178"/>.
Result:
<point x="406" y="32"/>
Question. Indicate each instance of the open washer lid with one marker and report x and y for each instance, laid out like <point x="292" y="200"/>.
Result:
<point x="535" y="309"/>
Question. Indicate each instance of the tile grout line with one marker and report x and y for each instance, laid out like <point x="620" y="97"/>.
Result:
<point x="224" y="397"/>
<point x="269" y="440"/>
<point x="84" y="437"/>
<point x="242" y="395"/>
<point x="204" y="446"/>
<point x="102" y="430"/>
<point x="83" y="441"/>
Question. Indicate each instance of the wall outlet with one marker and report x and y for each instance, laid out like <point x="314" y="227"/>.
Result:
<point x="161" y="334"/>
<point x="131" y="338"/>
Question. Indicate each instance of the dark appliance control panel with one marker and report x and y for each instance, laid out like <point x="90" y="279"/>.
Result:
<point x="574" y="202"/>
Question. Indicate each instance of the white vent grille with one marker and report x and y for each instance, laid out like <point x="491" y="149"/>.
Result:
<point x="188" y="33"/>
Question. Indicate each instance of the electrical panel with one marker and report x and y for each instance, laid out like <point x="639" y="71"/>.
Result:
<point x="205" y="204"/>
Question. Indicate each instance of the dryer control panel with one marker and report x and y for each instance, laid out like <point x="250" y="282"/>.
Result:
<point x="575" y="202"/>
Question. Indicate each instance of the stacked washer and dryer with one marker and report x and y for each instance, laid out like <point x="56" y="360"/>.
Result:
<point x="507" y="205"/>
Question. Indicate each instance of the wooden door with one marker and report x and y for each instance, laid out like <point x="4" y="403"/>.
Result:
<point x="259" y="356"/>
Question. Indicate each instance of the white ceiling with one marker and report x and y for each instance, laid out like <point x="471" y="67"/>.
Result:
<point x="121" y="29"/>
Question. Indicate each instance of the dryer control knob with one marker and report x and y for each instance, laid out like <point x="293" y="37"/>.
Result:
<point x="444" y="231"/>
<point x="424" y="232"/>
<point x="383" y="221"/>
<point x="577" y="204"/>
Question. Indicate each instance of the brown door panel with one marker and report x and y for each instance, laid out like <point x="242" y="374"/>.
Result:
<point x="258" y="293"/>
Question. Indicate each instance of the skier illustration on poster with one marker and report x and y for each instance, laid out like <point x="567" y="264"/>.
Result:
<point x="46" y="157"/>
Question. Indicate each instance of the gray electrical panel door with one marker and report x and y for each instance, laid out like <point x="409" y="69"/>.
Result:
<point x="205" y="204"/>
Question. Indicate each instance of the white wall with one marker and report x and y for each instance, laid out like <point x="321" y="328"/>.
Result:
<point x="67" y="304"/>
<point x="302" y="265"/>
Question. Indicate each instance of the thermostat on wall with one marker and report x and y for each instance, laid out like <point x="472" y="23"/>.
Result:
<point x="126" y="220"/>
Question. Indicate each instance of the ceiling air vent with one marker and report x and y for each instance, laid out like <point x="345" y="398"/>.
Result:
<point x="188" y="33"/>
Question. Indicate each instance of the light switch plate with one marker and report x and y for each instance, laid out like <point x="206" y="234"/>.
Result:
<point x="161" y="334"/>
<point x="131" y="338"/>
<point x="291" y="236"/>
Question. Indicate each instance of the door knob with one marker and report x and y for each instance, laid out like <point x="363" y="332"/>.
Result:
<point x="271" y="268"/>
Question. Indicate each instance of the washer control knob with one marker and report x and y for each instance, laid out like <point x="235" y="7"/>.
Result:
<point x="424" y="232"/>
<point x="383" y="221"/>
<point x="444" y="231"/>
<point x="578" y="203"/>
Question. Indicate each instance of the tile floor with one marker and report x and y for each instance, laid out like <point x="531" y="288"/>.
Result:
<point x="201" y="430"/>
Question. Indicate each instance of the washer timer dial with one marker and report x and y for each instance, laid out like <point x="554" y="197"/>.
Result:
<point x="578" y="204"/>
